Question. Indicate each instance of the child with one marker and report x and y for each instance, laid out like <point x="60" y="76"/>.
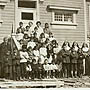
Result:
<point x="46" y="29"/>
<point x="24" y="58"/>
<point x="46" y="67"/>
<point x="85" y="50"/>
<point x="75" y="46"/>
<point x="80" y="62"/>
<point x="36" y="31"/>
<point x="31" y="27"/>
<point x="56" y="50"/>
<point x="74" y="58"/>
<point x="19" y="35"/>
<point x="28" y="70"/>
<point x="35" y="38"/>
<point x="67" y="45"/>
<point x="20" y="28"/>
<point x="30" y="53"/>
<point x="34" y="69"/>
<point x="27" y="31"/>
<point x="43" y="53"/>
<point x="31" y="43"/>
<point x="51" y="36"/>
<point x="16" y="65"/>
<point x="49" y="53"/>
<point x="25" y="39"/>
<point x="36" y="53"/>
<point x="40" y="29"/>
<point x="42" y="38"/>
<point x="65" y="57"/>
<point x="53" y="69"/>
<point x="40" y="69"/>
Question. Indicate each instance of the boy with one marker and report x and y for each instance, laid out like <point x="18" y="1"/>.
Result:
<point x="40" y="29"/>
<point x="34" y="69"/>
<point x="24" y="58"/>
<point x="40" y="69"/>
<point x="16" y="65"/>
<point x="20" y="27"/>
<point x="28" y="70"/>
<point x="43" y="52"/>
<point x="19" y="35"/>
<point x="31" y="43"/>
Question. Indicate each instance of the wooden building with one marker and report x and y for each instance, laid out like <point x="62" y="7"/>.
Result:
<point x="68" y="19"/>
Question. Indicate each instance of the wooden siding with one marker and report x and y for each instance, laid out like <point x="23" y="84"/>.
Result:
<point x="88" y="26"/>
<point x="77" y="34"/>
<point x="7" y="15"/>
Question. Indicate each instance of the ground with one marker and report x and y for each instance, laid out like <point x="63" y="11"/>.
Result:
<point x="83" y="82"/>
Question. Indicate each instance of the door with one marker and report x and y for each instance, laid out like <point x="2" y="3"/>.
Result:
<point x="26" y="11"/>
<point x="26" y="15"/>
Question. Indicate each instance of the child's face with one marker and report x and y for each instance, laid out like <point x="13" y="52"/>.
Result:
<point x="27" y="28"/>
<point x="35" y="29"/>
<point x="30" y="49"/>
<point x="26" y="36"/>
<point x="30" y="24"/>
<point x="38" y="24"/>
<point x="46" y="62"/>
<point x="21" y="25"/>
<point x="46" y="25"/>
<point x="42" y="36"/>
<point x="21" y="42"/>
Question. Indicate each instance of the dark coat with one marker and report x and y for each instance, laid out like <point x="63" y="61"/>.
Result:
<point x="80" y="58"/>
<point x="74" y="57"/>
<point x="65" y="56"/>
<point x="5" y="53"/>
<point x="16" y="58"/>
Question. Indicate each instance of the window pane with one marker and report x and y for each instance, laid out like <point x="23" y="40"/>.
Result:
<point x="58" y="17"/>
<point x="68" y="17"/>
<point x="27" y="16"/>
<point x="27" y="4"/>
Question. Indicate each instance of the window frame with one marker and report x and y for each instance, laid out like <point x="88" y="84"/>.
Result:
<point x="64" y="22"/>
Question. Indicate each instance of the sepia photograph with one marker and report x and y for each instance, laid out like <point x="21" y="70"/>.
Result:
<point x="44" y="44"/>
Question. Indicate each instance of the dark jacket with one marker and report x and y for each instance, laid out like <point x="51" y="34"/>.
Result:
<point x="5" y="53"/>
<point x="80" y="58"/>
<point x="65" y="56"/>
<point x="74" y="57"/>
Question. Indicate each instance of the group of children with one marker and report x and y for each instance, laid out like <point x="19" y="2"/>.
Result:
<point x="41" y="57"/>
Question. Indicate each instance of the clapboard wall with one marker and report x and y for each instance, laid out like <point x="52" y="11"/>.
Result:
<point x="7" y="15"/>
<point x="77" y="34"/>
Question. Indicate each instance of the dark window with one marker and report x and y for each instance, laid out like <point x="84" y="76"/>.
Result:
<point x="27" y="16"/>
<point x="27" y="4"/>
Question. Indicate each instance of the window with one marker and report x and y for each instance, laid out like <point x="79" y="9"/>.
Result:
<point x="61" y="17"/>
<point x="64" y="17"/>
<point x="27" y="4"/>
<point x="27" y="16"/>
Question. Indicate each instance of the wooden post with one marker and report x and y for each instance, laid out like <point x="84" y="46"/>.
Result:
<point x="38" y="12"/>
<point x="85" y="24"/>
<point x="16" y="15"/>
